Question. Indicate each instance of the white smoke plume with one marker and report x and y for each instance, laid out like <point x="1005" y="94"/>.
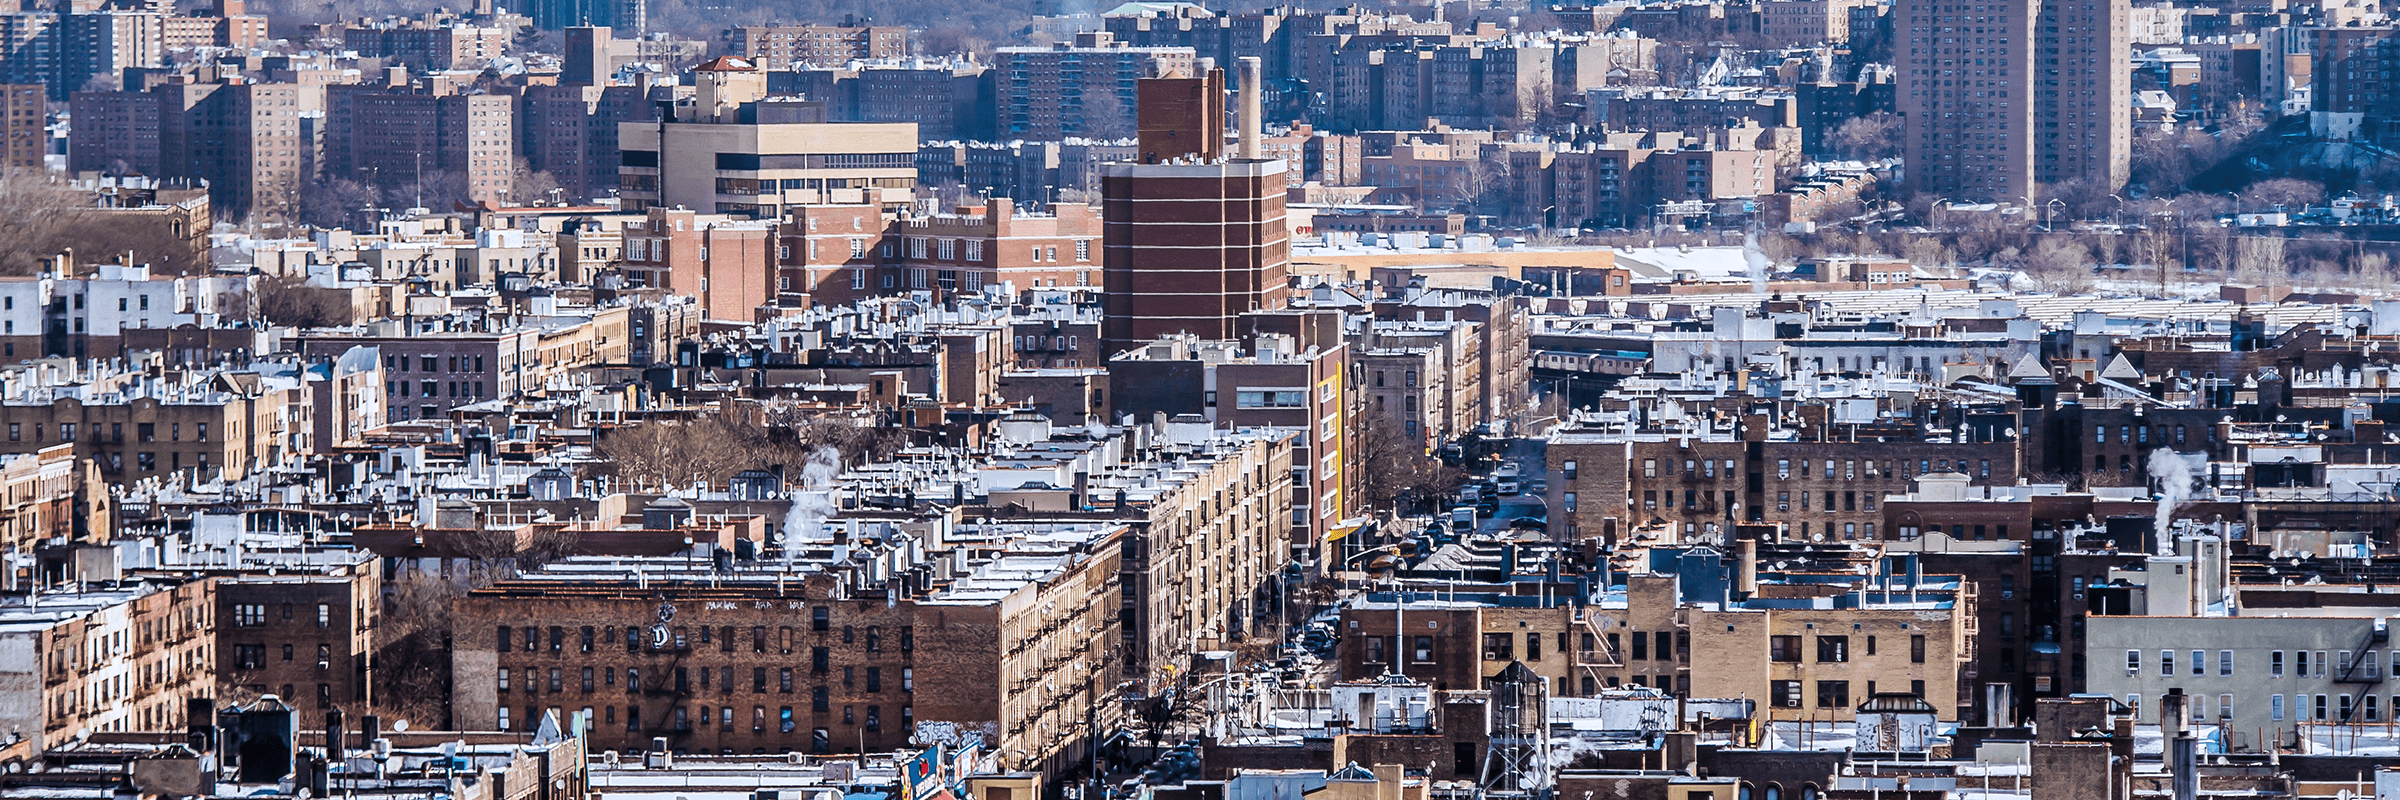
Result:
<point x="2174" y="474"/>
<point x="812" y="498"/>
<point x="1757" y="261"/>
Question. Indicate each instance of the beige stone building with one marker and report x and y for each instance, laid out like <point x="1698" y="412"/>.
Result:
<point x="212" y="424"/>
<point x="52" y="497"/>
<point x="735" y="151"/>
<point x="104" y="660"/>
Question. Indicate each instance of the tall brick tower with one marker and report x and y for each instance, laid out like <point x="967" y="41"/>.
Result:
<point x="1191" y="239"/>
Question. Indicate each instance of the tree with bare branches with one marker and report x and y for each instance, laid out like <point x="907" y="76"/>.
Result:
<point x="2256" y="259"/>
<point x="2287" y="193"/>
<point x="2059" y="265"/>
<point x="1395" y="470"/>
<point x="46" y="217"/>
<point x="1868" y="138"/>
<point x="289" y="300"/>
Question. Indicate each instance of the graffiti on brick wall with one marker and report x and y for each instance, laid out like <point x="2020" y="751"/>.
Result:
<point x="958" y="734"/>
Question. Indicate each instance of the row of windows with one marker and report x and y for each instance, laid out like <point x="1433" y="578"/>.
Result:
<point x="434" y="363"/>
<point x="468" y="389"/>
<point x="2304" y="663"/>
<point x="2297" y="707"/>
<point x="783" y="721"/>
<point x="1847" y="469"/>
<point x="588" y="637"/>
<point x="2134" y="434"/>
<point x="66" y="430"/>
<point x="593" y="679"/>
<point x="1834" y="649"/>
<point x="252" y="615"/>
<point x="254" y="656"/>
<point x="1830" y="694"/>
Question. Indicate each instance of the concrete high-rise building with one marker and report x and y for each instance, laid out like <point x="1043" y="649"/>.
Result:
<point x="394" y="135"/>
<point x="589" y="59"/>
<point x="1191" y="239"/>
<point x="571" y="132"/>
<point x="1081" y="89"/>
<point x="2001" y="100"/>
<point x="255" y="144"/>
<point x="29" y="42"/>
<point x="734" y="150"/>
<point x="115" y="132"/>
<point x="2084" y="94"/>
<point x="102" y="45"/>
<point x="1968" y="100"/>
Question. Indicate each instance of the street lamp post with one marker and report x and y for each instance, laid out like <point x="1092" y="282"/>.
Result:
<point x="2169" y="202"/>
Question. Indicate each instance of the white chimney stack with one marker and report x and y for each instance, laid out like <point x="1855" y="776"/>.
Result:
<point x="1250" y="110"/>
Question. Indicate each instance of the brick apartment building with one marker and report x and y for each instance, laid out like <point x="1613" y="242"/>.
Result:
<point x="1192" y="239"/>
<point x="2038" y="99"/>
<point x="1800" y="21"/>
<point x="570" y="131"/>
<point x="255" y="144"/>
<point x="1628" y="178"/>
<point x="1292" y="370"/>
<point x="725" y="262"/>
<point x="223" y="26"/>
<point x="229" y="429"/>
<point x="119" y="133"/>
<point x="1798" y="663"/>
<point x="95" y="42"/>
<point x="50" y="497"/>
<point x="391" y="135"/>
<point x="307" y="636"/>
<point x="1820" y="489"/>
<point x="1000" y="242"/>
<point x="2351" y="65"/>
<point x="758" y="665"/>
